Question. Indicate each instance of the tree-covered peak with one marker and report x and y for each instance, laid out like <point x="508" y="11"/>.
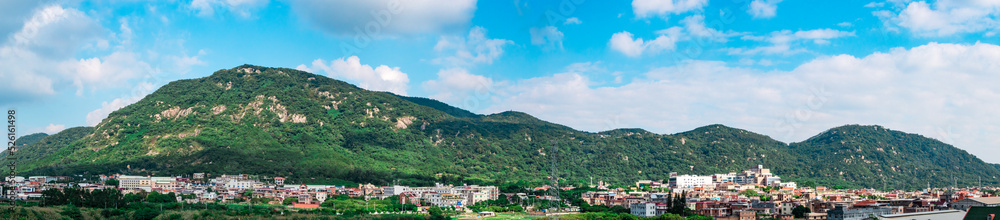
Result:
<point x="625" y="131"/>
<point x="515" y="117"/>
<point x="441" y="106"/>
<point x="30" y="139"/>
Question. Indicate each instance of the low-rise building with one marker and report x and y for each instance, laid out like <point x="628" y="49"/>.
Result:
<point x="645" y="209"/>
<point x="844" y="213"/>
<point x="933" y="215"/>
<point x="965" y="204"/>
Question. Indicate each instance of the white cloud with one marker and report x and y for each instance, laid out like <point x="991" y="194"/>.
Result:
<point x="945" y="18"/>
<point x="694" y="26"/>
<point x="625" y="43"/>
<point x="763" y="8"/>
<point x="547" y="37"/>
<point x="845" y="24"/>
<point x="874" y="4"/>
<point x="54" y="128"/>
<point x="786" y="42"/>
<point x="242" y="8"/>
<point x="33" y="55"/>
<point x="14" y="13"/>
<point x="457" y="85"/>
<point x="945" y="91"/>
<point x="113" y="71"/>
<point x="381" y="78"/>
<point x="140" y="91"/>
<point x="572" y="20"/>
<point x="475" y="48"/>
<point x="385" y="17"/>
<point x="646" y="8"/>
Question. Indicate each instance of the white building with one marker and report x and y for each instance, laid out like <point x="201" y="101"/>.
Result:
<point x="135" y="182"/>
<point x="394" y="190"/>
<point x="643" y="209"/>
<point x="321" y="197"/>
<point x="789" y="184"/>
<point x="721" y="178"/>
<point x="16" y="179"/>
<point x="240" y="184"/>
<point x="689" y="181"/>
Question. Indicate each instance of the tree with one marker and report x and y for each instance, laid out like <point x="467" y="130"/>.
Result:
<point x="145" y="213"/>
<point x="809" y="184"/>
<point x="111" y="182"/>
<point x="800" y="211"/>
<point x="72" y="212"/>
<point x="436" y="213"/>
<point x="290" y="200"/>
<point x="699" y="217"/>
<point x="53" y="197"/>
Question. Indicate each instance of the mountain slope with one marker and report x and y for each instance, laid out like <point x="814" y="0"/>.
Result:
<point x="30" y="139"/>
<point x="28" y="156"/>
<point x="888" y="158"/>
<point x="285" y="122"/>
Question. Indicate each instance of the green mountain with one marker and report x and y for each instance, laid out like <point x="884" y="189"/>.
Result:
<point x="37" y="146"/>
<point x="30" y="139"/>
<point x="866" y="154"/>
<point x="284" y="122"/>
<point x="996" y="166"/>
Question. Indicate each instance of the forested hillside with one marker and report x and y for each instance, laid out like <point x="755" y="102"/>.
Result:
<point x="30" y="139"/>
<point x="285" y="122"/>
<point x="855" y="153"/>
<point x="37" y="146"/>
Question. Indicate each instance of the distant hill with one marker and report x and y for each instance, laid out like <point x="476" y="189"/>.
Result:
<point x="285" y="122"/>
<point x="996" y="166"/>
<point x="30" y="139"/>
<point x="30" y="154"/>
<point x="856" y="153"/>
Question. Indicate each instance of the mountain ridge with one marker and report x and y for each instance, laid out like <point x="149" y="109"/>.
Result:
<point x="277" y="121"/>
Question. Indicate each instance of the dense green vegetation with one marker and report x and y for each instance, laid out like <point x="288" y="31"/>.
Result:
<point x="77" y="203"/>
<point x="30" y="139"/>
<point x="883" y="158"/>
<point x="32" y="148"/>
<point x="996" y="166"/>
<point x="313" y="129"/>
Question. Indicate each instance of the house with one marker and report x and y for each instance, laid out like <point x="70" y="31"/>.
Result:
<point x="967" y="203"/>
<point x="279" y="181"/>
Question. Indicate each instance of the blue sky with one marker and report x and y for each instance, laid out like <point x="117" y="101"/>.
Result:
<point x="784" y="68"/>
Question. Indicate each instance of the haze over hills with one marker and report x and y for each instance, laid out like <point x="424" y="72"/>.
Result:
<point x="285" y="122"/>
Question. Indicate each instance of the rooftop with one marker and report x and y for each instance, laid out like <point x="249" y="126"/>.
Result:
<point x="987" y="200"/>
